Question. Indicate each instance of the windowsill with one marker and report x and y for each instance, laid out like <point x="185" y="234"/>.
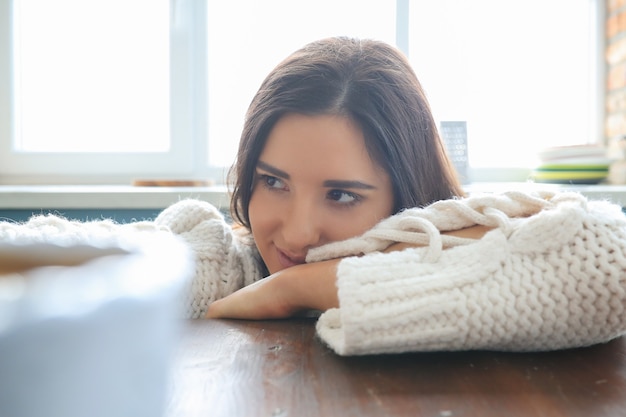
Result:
<point x="104" y="196"/>
<point x="130" y="197"/>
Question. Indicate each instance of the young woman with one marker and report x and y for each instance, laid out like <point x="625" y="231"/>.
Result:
<point x="346" y="202"/>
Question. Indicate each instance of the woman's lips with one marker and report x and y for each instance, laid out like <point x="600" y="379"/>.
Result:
<point x="287" y="261"/>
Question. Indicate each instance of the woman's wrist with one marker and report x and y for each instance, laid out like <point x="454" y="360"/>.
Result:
<point x="312" y="286"/>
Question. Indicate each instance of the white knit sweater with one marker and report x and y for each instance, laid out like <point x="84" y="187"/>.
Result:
<point x="550" y="275"/>
<point x="226" y="260"/>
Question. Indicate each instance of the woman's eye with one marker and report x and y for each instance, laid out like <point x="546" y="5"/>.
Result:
<point x="343" y="197"/>
<point x="272" y="182"/>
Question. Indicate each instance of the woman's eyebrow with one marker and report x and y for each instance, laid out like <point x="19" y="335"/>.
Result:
<point x="272" y="169"/>
<point x="348" y="184"/>
<point x="351" y="184"/>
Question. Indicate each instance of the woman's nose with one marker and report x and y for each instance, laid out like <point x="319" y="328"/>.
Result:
<point x="301" y="228"/>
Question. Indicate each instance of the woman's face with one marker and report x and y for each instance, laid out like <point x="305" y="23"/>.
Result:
<point x="315" y="183"/>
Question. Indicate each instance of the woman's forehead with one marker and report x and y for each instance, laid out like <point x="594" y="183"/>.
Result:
<point x="321" y="143"/>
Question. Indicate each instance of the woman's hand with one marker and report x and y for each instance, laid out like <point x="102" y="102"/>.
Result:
<point x="283" y="294"/>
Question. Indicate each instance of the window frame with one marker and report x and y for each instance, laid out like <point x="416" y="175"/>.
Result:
<point x="188" y="98"/>
<point x="189" y="102"/>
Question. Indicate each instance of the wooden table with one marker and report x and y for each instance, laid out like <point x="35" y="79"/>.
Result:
<point x="279" y="368"/>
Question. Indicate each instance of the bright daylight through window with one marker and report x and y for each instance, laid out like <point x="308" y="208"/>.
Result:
<point x="151" y="87"/>
<point x="88" y="79"/>
<point x="521" y="73"/>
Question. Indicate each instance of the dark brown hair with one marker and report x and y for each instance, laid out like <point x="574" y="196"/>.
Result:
<point x="373" y="84"/>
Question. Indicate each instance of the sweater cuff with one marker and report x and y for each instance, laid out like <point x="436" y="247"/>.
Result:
<point x="393" y="302"/>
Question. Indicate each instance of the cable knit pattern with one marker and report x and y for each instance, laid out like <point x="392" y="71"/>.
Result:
<point x="551" y="275"/>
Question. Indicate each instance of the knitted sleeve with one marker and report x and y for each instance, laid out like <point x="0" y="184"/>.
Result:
<point x="226" y="259"/>
<point x="550" y="275"/>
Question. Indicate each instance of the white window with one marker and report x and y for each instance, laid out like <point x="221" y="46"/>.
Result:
<point x="110" y="90"/>
<point x="96" y="90"/>
<point x="523" y="74"/>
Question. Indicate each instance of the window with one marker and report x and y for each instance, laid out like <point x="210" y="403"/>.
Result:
<point x="519" y="73"/>
<point x="96" y="90"/>
<point x="109" y="90"/>
<point x="104" y="65"/>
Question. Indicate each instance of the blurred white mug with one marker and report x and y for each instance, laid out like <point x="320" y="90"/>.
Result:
<point x="89" y="330"/>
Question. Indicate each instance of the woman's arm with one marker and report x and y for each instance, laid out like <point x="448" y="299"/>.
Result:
<point x="219" y="251"/>
<point x="302" y="287"/>
<point x="283" y="294"/>
<point x="528" y="285"/>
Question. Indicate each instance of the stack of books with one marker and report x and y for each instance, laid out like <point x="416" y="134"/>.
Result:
<point x="577" y="164"/>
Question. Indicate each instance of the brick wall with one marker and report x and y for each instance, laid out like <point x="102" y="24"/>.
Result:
<point x="615" y="101"/>
<point x="615" y="127"/>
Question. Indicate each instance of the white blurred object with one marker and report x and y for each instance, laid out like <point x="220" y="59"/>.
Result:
<point x="89" y="330"/>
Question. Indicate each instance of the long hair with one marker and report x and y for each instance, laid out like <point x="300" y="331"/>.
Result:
<point x="374" y="85"/>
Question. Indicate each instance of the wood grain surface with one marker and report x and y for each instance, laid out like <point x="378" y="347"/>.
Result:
<point x="279" y="368"/>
